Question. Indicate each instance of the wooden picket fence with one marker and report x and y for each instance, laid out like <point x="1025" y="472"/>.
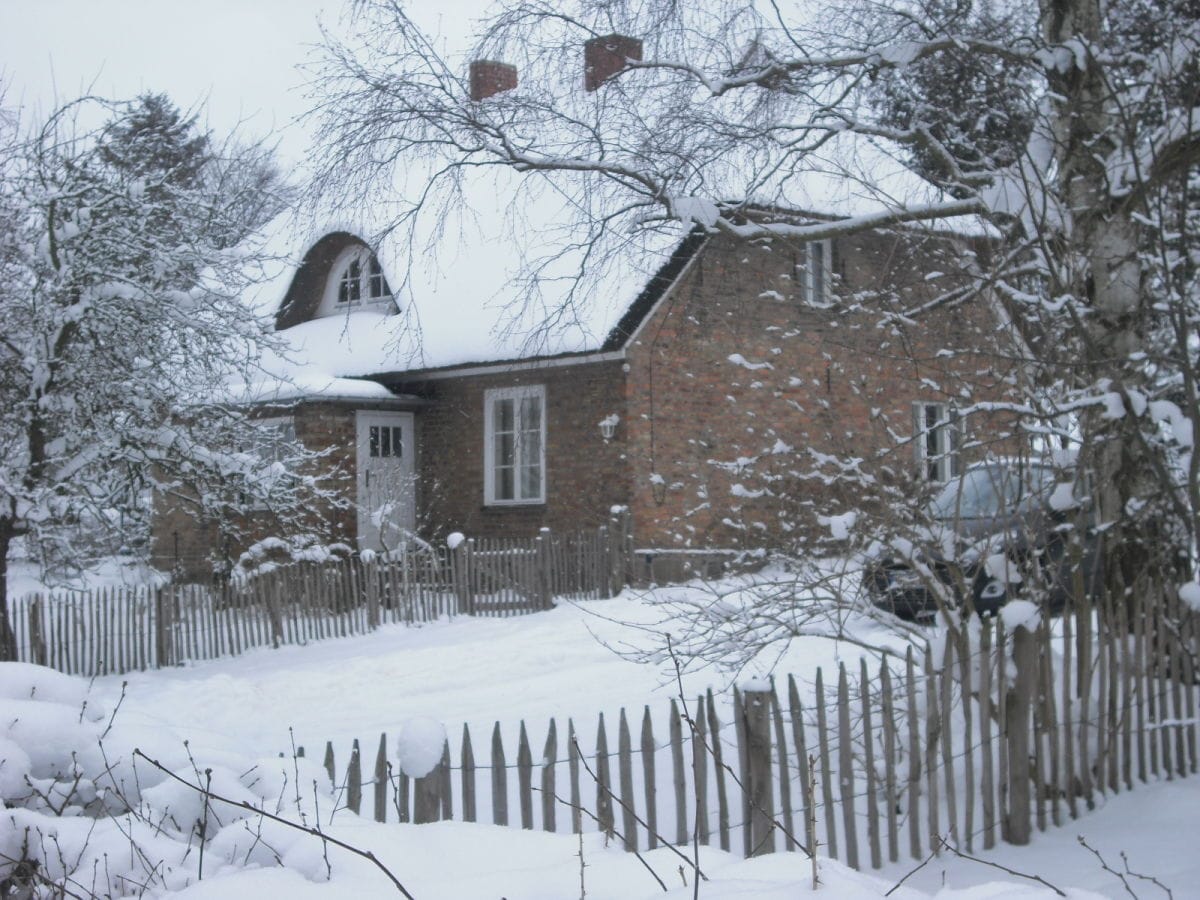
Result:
<point x="981" y="739"/>
<point x="116" y="630"/>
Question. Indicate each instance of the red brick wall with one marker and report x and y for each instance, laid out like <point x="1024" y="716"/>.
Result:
<point x="182" y="541"/>
<point x="839" y="383"/>
<point x="585" y="476"/>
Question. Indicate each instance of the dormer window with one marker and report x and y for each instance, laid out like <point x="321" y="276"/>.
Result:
<point x="353" y="286"/>
<point x="355" y="281"/>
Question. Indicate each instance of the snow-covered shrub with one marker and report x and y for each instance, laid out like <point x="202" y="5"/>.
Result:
<point x="83" y="812"/>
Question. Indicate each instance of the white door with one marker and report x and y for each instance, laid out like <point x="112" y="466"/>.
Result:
<point x="386" y="480"/>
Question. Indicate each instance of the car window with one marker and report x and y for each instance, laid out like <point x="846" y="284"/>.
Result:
<point x="993" y="491"/>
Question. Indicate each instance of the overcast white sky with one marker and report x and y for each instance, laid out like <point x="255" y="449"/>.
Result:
<point x="236" y="58"/>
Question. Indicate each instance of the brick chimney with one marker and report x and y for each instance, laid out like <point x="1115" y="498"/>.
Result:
<point x="489" y="77"/>
<point x="604" y="57"/>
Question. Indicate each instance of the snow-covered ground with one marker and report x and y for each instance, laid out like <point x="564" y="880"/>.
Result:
<point x="236" y="714"/>
<point x="478" y="671"/>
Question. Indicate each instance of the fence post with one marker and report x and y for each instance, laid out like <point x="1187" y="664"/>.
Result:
<point x="460" y="570"/>
<point x="618" y="541"/>
<point x="756" y="716"/>
<point x="162" y="626"/>
<point x="544" y="574"/>
<point x="427" y="796"/>
<point x="370" y="575"/>
<point x="1017" y="713"/>
<point x="37" y="640"/>
<point x="270" y="594"/>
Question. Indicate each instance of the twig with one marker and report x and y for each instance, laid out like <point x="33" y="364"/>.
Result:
<point x="687" y="717"/>
<point x="204" y="823"/>
<point x="582" y="866"/>
<point x="911" y="872"/>
<point x="636" y="817"/>
<point x="1121" y="875"/>
<point x="242" y="804"/>
<point x="616" y="833"/>
<point x="116" y="709"/>
<point x="985" y="862"/>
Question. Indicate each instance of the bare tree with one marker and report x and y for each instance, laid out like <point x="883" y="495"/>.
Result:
<point x="124" y="248"/>
<point x="1082" y="177"/>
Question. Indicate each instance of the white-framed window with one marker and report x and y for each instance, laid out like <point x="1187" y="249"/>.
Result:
<point x="385" y="441"/>
<point x="514" y="422"/>
<point x="815" y="272"/>
<point x="937" y="439"/>
<point x="356" y="279"/>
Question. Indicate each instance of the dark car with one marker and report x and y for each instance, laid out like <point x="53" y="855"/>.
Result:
<point x="999" y="530"/>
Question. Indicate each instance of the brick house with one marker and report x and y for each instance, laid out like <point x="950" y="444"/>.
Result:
<point x="712" y="406"/>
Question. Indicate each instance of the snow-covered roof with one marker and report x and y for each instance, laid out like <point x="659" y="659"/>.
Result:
<point x="462" y="288"/>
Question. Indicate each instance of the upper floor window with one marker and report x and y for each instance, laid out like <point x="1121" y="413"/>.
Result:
<point x="937" y="437"/>
<point x="355" y="280"/>
<point x="362" y="279"/>
<point x="814" y="272"/>
<point x="514" y="445"/>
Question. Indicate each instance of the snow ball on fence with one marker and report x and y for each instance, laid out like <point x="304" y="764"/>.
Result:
<point x="755" y="684"/>
<point x="419" y="746"/>
<point x="1190" y="594"/>
<point x="1021" y="614"/>
<point x="454" y="538"/>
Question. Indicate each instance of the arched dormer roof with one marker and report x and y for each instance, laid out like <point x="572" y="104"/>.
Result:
<point x="339" y="272"/>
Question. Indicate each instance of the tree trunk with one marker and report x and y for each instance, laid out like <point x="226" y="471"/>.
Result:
<point x="8" y="638"/>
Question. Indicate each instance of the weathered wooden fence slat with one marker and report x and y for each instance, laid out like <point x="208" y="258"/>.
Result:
<point x="604" y="810"/>
<point x="700" y="771"/>
<point x="678" y="776"/>
<point x="380" y="781"/>
<point x="625" y="774"/>
<point x="718" y="758"/>
<point x="499" y="779"/>
<point x="467" y="757"/>
<point x="824" y="761"/>
<point x="648" y="779"/>
<point x="525" y="778"/>
<point x="785" y="782"/>
<point x="549" y="789"/>
<point x="846" y="768"/>
<point x="873" y="840"/>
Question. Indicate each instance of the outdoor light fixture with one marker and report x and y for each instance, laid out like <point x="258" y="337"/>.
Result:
<point x="658" y="487"/>
<point x="608" y="426"/>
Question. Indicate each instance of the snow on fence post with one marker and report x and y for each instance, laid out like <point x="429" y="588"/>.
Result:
<point x="754" y="710"/>
<point x="1018" y="708"/>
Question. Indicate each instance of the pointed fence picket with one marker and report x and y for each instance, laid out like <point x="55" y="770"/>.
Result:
<point x="961" y="742"/>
